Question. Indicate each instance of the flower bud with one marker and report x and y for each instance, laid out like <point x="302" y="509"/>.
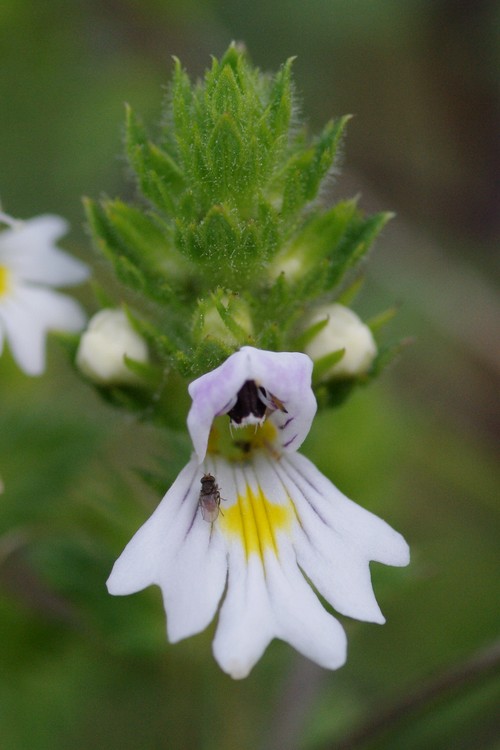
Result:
<point x="343" y="330"/>
<point x="239" y="321"/>
<point x="108" y="339"/>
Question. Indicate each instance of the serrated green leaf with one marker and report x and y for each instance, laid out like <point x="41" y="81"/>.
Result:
<point x="224" y="161"/>
<point x="128" y="273"/>
<point x="320" y="234"/>
<point x="278" y="112"/>
<point x="324" y="155"/>
<point x="306" y="169"/>
<point x="225" y="97"/>
<point x="354" y="245"/>
<point x="221" y="237"/>
<point x="270" y="337"/>
<point x="135" y="133"/>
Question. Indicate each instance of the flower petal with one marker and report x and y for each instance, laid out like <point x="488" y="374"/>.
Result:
<point x="368" y="533"/>
<point x="27" y="314"/>
<point x="267" y="595"/>
<point x="301" y="619"/>
<point x="138" y="564"/>
<point x="179" y="552"/>
<point x="246" y="624"/>
<point x="286" y="375"/>
<point x="29" y="251"/>
<point x="25" y="334"/>
<point x="337" y="539"/>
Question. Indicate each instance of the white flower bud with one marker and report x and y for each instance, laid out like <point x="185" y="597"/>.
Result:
<point x="103" y="346"/>
<point x="343" y="330"/>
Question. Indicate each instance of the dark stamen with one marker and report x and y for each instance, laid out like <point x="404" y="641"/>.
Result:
<point x="247" y="404"/>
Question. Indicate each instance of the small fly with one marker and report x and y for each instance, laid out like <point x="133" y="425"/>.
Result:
<point x="209" y="498"/>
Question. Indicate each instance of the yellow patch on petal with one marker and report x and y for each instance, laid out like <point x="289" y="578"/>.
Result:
<point x="4" y="280"/>
<point x="255" y="521"/>
<point x="238" y="443"/>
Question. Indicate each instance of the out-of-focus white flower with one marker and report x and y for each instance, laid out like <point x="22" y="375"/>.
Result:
<point x="103" y="346"/>
<point x="30" y="265"/>
<point x="280" y="520"/>
<point x="343" y="330"/>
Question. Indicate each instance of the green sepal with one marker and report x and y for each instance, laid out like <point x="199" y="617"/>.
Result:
<point x="135" y="399"/>
<point x="271" y="307"/>
<point x="158" y="176"/>
<point x="209" y="354"/>
<point x="324" y="364"/>
<point x="223" y="93"/>
<point x="220" y="234"/>
<point x="376" y="323"/>
<point x="101" y="295"/>
<point x="349" y="294"/>
<point x="317" y="239"/>
<point x="306" y="170"/>
<point x="149" y="374"/>
<point x="386" y="355"/>
<point x="158" y="341"/>
<point x="322" y="233"/>
<point x="129" y="274"/>
<point x="279" y="110"/>
<point x="133" y="244"/>
<point x="225" y="171"/>
<point x="305" y="338"/>
<point x="225" y="307"/>
<point x="271" y="337"/>
<point x="333" y="394"/>
<point x="354" y="245"/>
<point x="227" y="317"/>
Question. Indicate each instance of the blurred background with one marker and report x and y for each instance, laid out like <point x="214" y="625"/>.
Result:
<point x="82" y="669"/>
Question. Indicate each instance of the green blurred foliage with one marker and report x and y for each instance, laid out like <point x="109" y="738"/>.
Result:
<point x="81" y="669"/>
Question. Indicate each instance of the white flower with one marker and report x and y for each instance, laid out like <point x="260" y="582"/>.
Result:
<point x="279" y="519"/>
<point x="343" y="330"/>
<point x="30" y="264"/>
<point x="103" y="346"/>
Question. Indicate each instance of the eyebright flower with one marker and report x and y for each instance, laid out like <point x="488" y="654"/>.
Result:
<point x="103" y="346"/>
<point x="343" y="330"/>
<point x="30" y="265"/>
<point x="273" y="519"/>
